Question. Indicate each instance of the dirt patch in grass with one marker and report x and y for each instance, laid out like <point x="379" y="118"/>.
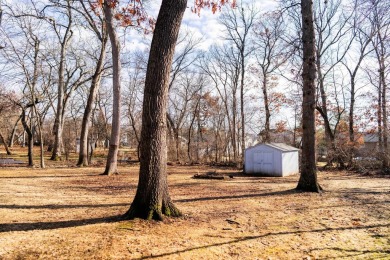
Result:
<point x="74" y="213"/>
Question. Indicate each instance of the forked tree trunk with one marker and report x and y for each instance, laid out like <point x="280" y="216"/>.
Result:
<point x="308" y="179"/>
<point x="152" y="200"/>
<point x="112" y="157"/>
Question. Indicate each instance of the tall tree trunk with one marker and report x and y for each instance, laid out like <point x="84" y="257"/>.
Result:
<point x="41" y="144"/>
<point x="379" y="121"/>
<point x="323" y="109"/>
<point x="177" y="144"/>
<point x="42" y="149"/>
<point x="267" y="129"/>
<point x="83" y="155"/>
<point x="190" y="130"/>
<point x="29" y="139"/>
<point x="152" y="200"/>
<point x="242" y="106"/>
<point x="234" y="127"/>
<point x="11" y="140"/>
<point x="199" y="137"/>
<point x="351" y="122"/>
<point x="136" y="134"/>
<point x="381" y="55"/>
<point x="30" y="143"/>
<point x="385" y="159"/>
<point x="59" y="121"/>
<point x="39" y="123"/>
<point x="308" y="179"/>
<point x="112" y="157"/>
<point x="2" y="139"/>
<point x="174" y="132"/>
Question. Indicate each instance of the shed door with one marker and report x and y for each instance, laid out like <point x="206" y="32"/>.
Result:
<point x="263" y="162"/>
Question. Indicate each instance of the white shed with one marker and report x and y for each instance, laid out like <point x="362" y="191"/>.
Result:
<point x="273" y="159"/>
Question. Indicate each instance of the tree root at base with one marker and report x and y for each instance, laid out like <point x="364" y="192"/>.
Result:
<point x="310" y="188"/>
<point x="152" y="213"/>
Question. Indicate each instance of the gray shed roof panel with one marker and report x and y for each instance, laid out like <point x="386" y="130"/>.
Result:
<point x="279" y="146"/>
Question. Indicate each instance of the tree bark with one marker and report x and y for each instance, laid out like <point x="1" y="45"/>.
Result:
<point x="234" y="123"/>
<point x="382" y="78"/>
<point x="351" y="122"/>
<point x="59" y="121"/>
<point x="267" y="128"/>
<point x="83" y="155"/>
<point x="136" y="134"/>
<point x="323" y="110"/>
<point x="112" y="157"/>
<point x="29" y="139"/>
<point x="11" y="140"/>
<point x="152" y="200"/>
<point x="308" y="179"/>
<point x="385" y="159"/>
<point x="190" y="130"/>
<point x="379" y="121"/>
<point x="2" y="139"/>
<point x="242" y="85"/>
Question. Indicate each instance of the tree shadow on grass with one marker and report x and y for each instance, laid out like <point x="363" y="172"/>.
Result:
<point x="247" y="238"/>
<point x="57" y="206"/>
<point x="362" y="191"/>
<point x="8" y="227"/>
<point x="352" y="253"/>
<point x="283" y="192"/>
<point x="51" y="176"/>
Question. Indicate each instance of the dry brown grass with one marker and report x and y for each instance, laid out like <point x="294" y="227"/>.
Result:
<point x="72" y="213"/>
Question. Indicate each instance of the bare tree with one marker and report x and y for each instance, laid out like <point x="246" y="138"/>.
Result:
<point x="63" y="40"/>
<point x="271" y="53"/>
<point x="112" y="157"/>
<point x="25" y="53"/>
<point x="222" y="65"/>
<point x="185" y="56"/>
<point x="6" y="108"/>
<point x="332" y="44"/>
<point x="182" y="94"/>
<point x="377" y="14"/>
<point x="152" y="200"/>
<point x="101" y="34"/>
<point x="238" y="25"/>
<point x="308" y="179"/>
<point x="133" y="101"/>
<point x="353" y="62"/>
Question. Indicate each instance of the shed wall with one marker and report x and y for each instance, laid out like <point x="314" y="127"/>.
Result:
<point x="263" y="160"/>
<point x="290" y="163"/>
<point x="266" y="160"/>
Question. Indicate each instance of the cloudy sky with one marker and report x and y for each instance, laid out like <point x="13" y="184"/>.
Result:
<point x="204" y="25"/>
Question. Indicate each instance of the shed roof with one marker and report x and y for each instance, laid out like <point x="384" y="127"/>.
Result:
<point x="279" y="146"/>
<point x="372" y="138"/>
